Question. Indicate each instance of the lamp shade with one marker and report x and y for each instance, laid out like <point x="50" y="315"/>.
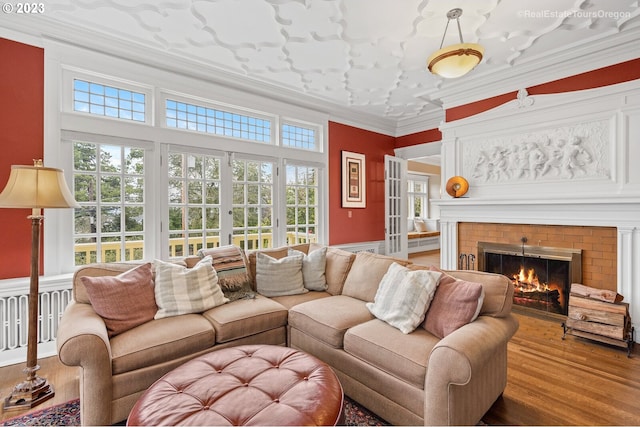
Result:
<point x="36" y="187"/>
<point x="455" y="60"/>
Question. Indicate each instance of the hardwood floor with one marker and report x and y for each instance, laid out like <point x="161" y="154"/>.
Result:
<point x="550" y="381"/>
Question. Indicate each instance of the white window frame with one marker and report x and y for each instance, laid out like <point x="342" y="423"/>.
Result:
<point x="318" y="147"/>
<point x="71" y="74"/>
<point x="66" y="125"/>
<point x="412" y="195"/>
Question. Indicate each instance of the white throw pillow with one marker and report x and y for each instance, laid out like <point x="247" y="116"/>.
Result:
<point x="279" y="277"/>
<point x="181" y="290"/>
<point x="420" y="225"/>
<point x="403" y="297"/>
<point x="313" y="268"/>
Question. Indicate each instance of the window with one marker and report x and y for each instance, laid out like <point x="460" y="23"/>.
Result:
<point x="418" y="196"/>
<point x="253" y="187"/>
<point x="194" y="203"/>
<point x="181" y="115"/>
<point x="299" y="137"/>
<point x="108" y="183"/>
<point x="302" y="204"/>
<point x="108" y="101"/>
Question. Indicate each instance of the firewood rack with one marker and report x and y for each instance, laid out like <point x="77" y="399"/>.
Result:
<point x="599" y="317"/>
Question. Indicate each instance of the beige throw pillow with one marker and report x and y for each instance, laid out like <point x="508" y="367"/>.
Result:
<point x="279" y="277"/>
<point x="180" y="290"/>
<point x="313" y="269"/>
<point x="420" y="225"/>
<point x="403" y="297"/>
<point x="366" y="273"/>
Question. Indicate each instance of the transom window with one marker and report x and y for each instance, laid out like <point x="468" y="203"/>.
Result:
<point x="299" y="137"/>
<point x="108" y="183"/>
<point x="109" y="101"/>
<point x="181" y="115"/>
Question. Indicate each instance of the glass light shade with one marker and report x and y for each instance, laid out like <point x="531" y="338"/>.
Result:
<point x="455" y="60"/>
<point x="36" y="187"/>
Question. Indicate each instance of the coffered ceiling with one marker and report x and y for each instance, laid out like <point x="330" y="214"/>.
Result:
<point x="367" y="56"/>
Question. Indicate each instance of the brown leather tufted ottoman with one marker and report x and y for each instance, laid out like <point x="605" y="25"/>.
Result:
<point x="245" y="385"/>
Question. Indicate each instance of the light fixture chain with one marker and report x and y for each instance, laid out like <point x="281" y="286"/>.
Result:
<point x="459" y="30"/>
<point x="445" y="34"/>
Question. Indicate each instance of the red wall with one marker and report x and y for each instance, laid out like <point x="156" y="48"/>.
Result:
<point x="21" y="141"/>
<point x="618" y="73"/>
<point x="365" y="224"/>
<point x="430" y="135"/>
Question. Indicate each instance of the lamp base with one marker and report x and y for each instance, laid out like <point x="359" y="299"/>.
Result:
<point x="29" y="393"/>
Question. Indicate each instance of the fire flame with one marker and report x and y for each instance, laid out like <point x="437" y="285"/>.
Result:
<point x="528" y="282"/>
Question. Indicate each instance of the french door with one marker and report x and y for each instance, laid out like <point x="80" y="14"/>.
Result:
<point x="395" y="208"/>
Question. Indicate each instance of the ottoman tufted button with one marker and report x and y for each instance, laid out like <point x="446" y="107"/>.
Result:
<point x="205" y="408"/>
<point x="276" y="400"/>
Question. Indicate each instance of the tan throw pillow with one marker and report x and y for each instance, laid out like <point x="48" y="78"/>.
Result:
<point x="420" y="225"/>
<point x="313" y="269"/>
<point x="279" y="277"/>
<point x="404" y="296"/>
<point x="339" y="263"/>
<point x="180" y="290"/>
<point x="366" y="273"/>
<point x="123" y="301"/>
<point x="455" y="304"/>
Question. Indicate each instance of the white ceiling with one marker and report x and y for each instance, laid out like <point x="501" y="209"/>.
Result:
<point x="365" y="55"/>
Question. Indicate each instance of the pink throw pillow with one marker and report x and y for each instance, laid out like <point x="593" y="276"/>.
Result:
<point x="123" y="301"/>
<point x="455" y="304"/>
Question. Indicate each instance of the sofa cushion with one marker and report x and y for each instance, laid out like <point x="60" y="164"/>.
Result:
<point x="327" y="319"/>
<point x="338" y="265"/>
<point x="123" y="301"/>
<point x="365" y="275"/>
<point x="180" y="290"/>
<point x="498" y="291"/>
<point x="404" y="356"/>
<point x="403" y="297"/>
<point x="289" y="301"/>
<point x="159" y="341"/>
<point x="313" y="269"/>
<point x="245" y="317"/>
<point x="277" y="277"/>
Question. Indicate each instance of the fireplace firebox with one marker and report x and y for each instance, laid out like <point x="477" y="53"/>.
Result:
<point x="541" y="276"/>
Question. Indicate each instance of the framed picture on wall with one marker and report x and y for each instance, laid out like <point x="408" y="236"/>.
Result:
<point x="354" y="185"/>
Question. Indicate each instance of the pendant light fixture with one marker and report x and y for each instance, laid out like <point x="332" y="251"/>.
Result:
<point x="455" y="60"/>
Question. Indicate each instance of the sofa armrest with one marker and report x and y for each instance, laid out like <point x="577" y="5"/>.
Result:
<point x="82" y="340"/>
<point x="467" y="371"/>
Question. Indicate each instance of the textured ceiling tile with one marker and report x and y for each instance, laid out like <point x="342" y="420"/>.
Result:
<point x="241" y="23"/>
<point x="318" y="55"/>
<point x="319" y="19"/>
<point x="369" y="55"/>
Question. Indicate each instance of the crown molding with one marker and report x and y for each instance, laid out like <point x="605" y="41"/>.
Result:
<point x="564" y="62"/>
<point x="36" y="29"/>
<point x="429" y="120"/>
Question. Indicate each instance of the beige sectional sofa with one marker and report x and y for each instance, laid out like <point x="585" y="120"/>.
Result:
<point x="407" y="379"/>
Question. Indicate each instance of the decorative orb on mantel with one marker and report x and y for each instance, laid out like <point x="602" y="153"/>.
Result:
<point x="457" y="186"/>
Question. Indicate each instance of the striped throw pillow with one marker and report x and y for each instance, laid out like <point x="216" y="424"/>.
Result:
<point x="279" y="277"/>
<point x="403" y="297"/>
<point x="180" y="290"/>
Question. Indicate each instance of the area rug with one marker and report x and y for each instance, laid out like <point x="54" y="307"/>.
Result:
<point x="68" y="414"/>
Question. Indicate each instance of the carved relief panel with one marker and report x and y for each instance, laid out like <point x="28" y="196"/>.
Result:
<point x="566" y="153"/>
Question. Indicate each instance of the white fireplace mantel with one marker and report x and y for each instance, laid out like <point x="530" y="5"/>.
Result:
<point x="600" y="188"/>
